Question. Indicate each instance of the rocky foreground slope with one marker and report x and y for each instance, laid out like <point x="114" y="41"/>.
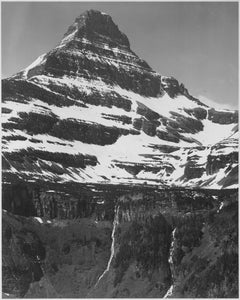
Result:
<point x="116" y="181"/>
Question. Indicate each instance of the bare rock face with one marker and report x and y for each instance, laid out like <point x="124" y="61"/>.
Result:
<point x="170" y="85"/>
<point x="94" y="45"/>
<point x="223" y="117"/>
<point x="94" y="22"/>
<point x="192" y="169"/>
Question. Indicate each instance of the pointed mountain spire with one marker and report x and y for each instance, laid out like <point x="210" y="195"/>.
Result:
<point x="94" y="23"/>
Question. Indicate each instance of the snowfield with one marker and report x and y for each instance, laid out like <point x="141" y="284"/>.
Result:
<point x="135" y="156"/>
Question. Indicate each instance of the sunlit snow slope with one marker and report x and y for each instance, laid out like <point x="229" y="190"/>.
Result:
<point x="92" y="111"/>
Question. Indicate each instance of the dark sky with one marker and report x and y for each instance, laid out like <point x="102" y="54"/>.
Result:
<point x="195" y="42"/>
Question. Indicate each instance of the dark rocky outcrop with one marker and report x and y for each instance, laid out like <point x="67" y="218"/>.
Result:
<point x="146" y="112"/>
<point x="170" y="85"/>
<point x="193" y="171"/>
<point x="173" y="88"/>
<point x="25" y="90"/>
<point x="216" y="162"/>
<point x="188" y="125"/>
<point x="168" y="136"/>
<point x="18" y="200"/>
<point x="222" y="117"/>
<point x="198" y="112"/>
<point x="93" y="22"/>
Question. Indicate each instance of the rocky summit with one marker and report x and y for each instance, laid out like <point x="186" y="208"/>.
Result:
<point x="116" y="181"/>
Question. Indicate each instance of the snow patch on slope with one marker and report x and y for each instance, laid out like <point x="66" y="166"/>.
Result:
<point x="40" y="60"/>
<point x="213" y="132"/>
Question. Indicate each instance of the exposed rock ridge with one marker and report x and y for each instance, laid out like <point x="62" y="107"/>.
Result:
<point x="92" y="22"/>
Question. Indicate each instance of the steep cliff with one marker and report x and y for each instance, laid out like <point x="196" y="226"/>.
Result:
<point x="176" y="243"/>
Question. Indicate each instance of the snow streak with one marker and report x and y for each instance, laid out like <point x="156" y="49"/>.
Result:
<point x="220" y="207"/>
<point x="115" y="223"/>
<point x="170" y="260"/>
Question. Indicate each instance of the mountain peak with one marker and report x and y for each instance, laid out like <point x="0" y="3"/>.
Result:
<point x="94" y="23"/>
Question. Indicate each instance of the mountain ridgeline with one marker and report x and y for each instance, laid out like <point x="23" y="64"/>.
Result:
<point x="116" y="182"/>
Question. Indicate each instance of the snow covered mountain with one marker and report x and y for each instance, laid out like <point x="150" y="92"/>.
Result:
<point x="91" y="111"/>
<point x="117" y="183"/>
